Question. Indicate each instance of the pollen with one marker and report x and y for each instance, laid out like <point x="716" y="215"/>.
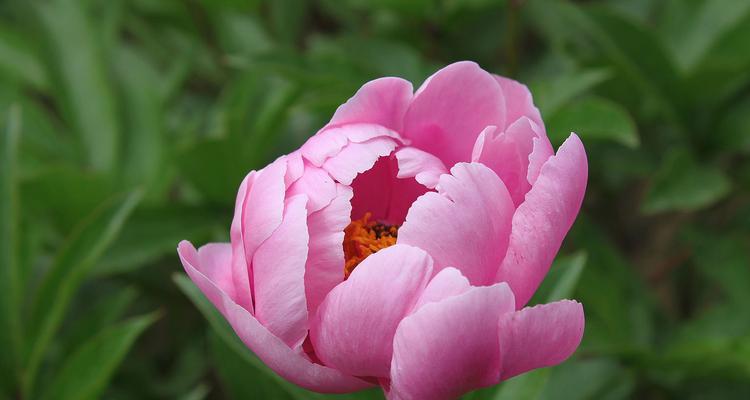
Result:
<point x="364" y="237"/>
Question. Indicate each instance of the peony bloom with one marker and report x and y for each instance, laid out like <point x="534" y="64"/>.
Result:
<point x="398" y="246"/>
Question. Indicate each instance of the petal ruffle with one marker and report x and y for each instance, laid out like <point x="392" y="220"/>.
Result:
<point x="448" y="348"/>
<point x="543" y="219"/>
<point x="290" y="364"/>
<point x="539" y="336"/>
<point x="465" y="225"/>
<point x="451" y="108"/>
<point x="353" y="330"/>
<point x="420" y="165"/>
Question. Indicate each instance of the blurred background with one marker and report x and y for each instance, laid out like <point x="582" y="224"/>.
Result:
<point x="127" y="125"/>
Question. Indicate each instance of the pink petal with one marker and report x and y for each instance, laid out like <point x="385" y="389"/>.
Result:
<point x="448" y="348"/>
<point x="507" y="153"/>
<point x="355" y="324"/>
<point x="518" y="102"/>
<point x="465" y="225"/>
<point x="451" y="108"/>
<point x="241" y="271"/>
<point x="541" y="222"/>
<point x="330" y="141"/>
<point x="278" y="276"/>
<point x="317" y="185"/>
<point x="263" y="206"/>
<point x="356" y="158"/>
<point x="382" y="102"/>
<point x="539" y="336"/>
<point x="290" y="364"/>
<point x="325" y="262"/>
<point x="422" y="166"/>
<point x="380" y="192"/>
<point x="447" y="283"/>
<point x="541" y="152"/>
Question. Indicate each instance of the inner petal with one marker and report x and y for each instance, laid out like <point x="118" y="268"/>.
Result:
<point x="381" y="193"/>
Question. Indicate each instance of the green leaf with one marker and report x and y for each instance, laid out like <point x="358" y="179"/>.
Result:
<point x="593" y="119"/>
<point x="85" y="374"/>
<point x="550" y="95"/>
<point x="19" y="59"/>
<point x="151" y="233"/>
<point x="10" y="279"/>
<point x="71" y="266"/>
<point x="633" y="51"/>
<point x="143" y="146"/>
<point x="683" y="184"/>
<point x="528" y="386"/>
<point x="85" y="91"/>
<point x="95" y="317"/>
<point x="699" y="32"/>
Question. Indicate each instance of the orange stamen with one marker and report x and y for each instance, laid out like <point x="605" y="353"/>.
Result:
<point x="364" y="237"/>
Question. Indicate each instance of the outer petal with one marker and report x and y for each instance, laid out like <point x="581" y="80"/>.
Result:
<point x="262" y="209"/>
<point x="539" y="336"/>
<point x="466" y="225"/>
<point x="325" y="261"/>
<point x="541" y="222"/>
<point x="241" y="271"/>
<point x="278" y="276"/>
<point x="382" y="101"/>
<point x="448" y="348"/>
<point x="518" y="102"/>
<point x="447" y="283"/>
<point x="355" y="324"/>
<point x="278" y="356"/>
<point x="451" y="108"/>
<point x="422" y="166"/>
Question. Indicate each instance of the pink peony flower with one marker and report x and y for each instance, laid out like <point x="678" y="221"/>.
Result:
<point x="398" y="246"/>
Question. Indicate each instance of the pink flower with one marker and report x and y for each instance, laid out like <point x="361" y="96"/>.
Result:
<point x="399" y="245"/>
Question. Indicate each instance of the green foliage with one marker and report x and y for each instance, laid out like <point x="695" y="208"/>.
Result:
<point x="126" y="126"/>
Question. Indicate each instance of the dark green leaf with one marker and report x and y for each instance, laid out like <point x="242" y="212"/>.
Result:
<point x="10" y="282"/>
<point x="683" y="184"/>
<point x="71" y="267"/>
<point x="19" y="59"/>
<point x="85" y="90"/>
<point x="84" y="375"/>
<point x="593" y="119"/>
<point x="550" y="95"/>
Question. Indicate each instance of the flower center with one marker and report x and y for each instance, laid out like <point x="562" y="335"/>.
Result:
<point x="364" y="237"/>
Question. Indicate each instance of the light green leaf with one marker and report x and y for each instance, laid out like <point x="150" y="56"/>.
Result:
<point x="681" y="184"/>
<point x="72" y="265"/>
<point x="633" y="51"/>
<point x="593" y="119"/>
<point x="139" y="84"/>
<point x="85" y="91"/>
<point x="10" y="279"/>
<point x="19" y="59"/>
<point x="528" y="386"/>
<point x="550" y="95"/>
<point x="85" y="374"/>
<point x="700" y="31"/>
<point x="152" y="232"/>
